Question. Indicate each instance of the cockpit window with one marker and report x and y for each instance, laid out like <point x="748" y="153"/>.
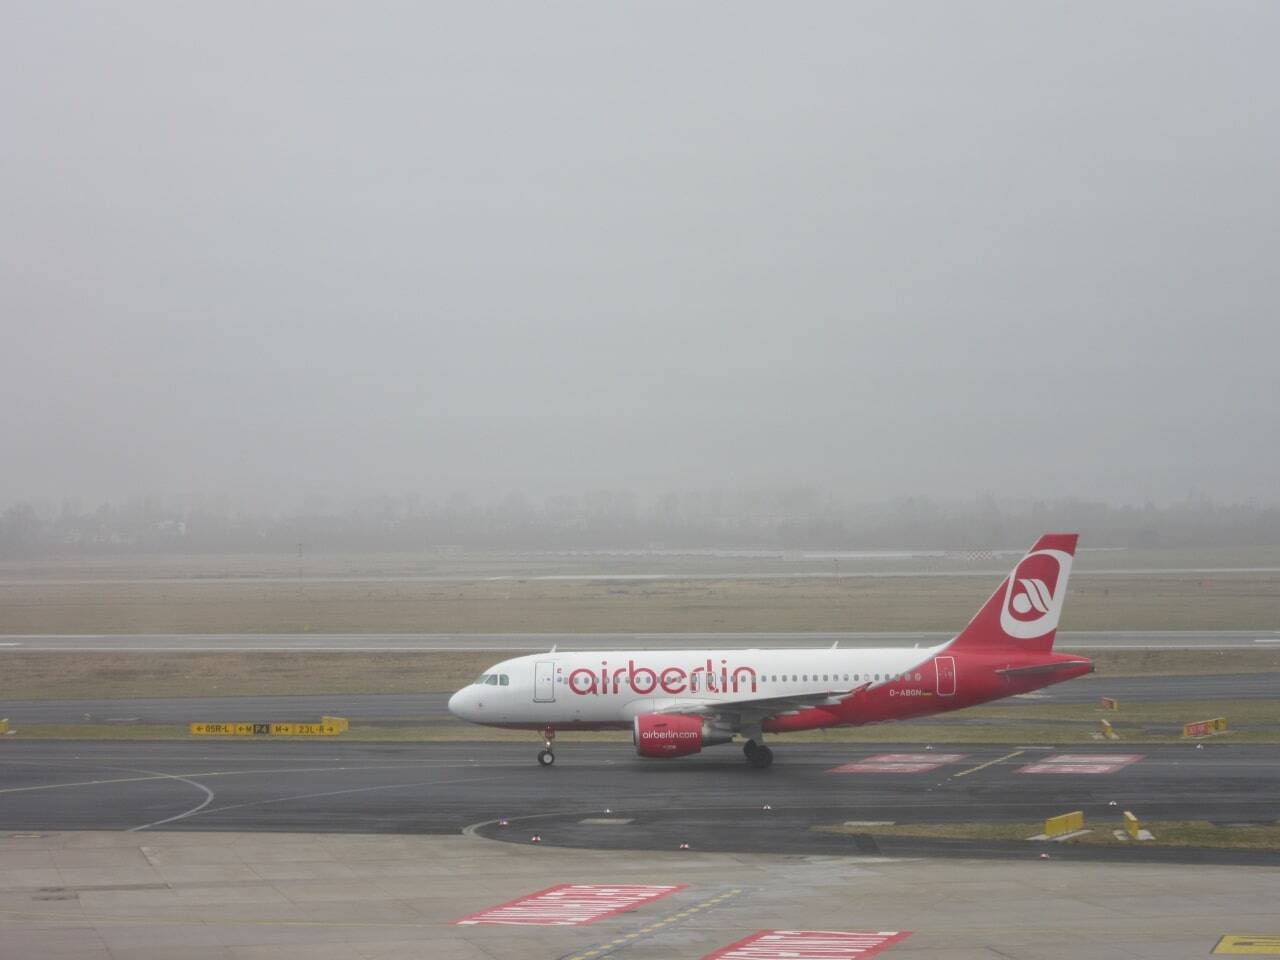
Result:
<point x="503" y="679"/>
<point x="492" y="680"/>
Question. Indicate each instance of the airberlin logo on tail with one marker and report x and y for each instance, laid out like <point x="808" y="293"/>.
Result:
<point x="1034" y="595"/>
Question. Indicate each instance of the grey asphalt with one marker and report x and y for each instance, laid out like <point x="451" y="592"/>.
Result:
<point x="712" y="801"/>
<point x="385" y="642"/>
<point x="432" y="706"/>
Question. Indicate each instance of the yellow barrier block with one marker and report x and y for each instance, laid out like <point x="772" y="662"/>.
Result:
<point x="1256" y="945"/>
<point x="1131" y="825"/>
<point x="1201" y="728"/>
<point x="1205" y="728"/>
<point x="339" y="722"/>
<point x="1065" y="823"/>
<point x="1107" y="732"/>
<point x="4" y="725"/>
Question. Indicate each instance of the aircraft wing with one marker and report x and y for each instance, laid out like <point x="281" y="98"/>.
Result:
<point x="741" y="712"/>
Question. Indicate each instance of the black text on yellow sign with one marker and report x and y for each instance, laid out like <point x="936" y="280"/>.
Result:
<point x="1256" y="945"/>
<point x="326" y="729"/>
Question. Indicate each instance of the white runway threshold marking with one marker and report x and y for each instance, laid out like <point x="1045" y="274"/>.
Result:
<point x="570" y="905"/>
<point x="1087" y="763"/>
<point x="900" y="763"/>
<point x="824" y="944"/>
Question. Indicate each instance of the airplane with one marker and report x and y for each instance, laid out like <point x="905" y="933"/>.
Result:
<point x="675" y="702"/>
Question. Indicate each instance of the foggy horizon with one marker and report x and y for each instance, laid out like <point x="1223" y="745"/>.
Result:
<point x="875" y="250"/>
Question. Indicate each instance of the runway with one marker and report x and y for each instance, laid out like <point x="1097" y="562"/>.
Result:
<point x="431" y="707"/>
<point x="712" y="801"/>
<point x="533" y="642"/>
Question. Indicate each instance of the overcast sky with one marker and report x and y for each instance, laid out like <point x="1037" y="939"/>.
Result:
<point x="1029" y="249"/>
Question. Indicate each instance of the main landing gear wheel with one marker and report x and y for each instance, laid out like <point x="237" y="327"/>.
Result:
<point x="546" y="758"/>
<point x="757" y="754"/>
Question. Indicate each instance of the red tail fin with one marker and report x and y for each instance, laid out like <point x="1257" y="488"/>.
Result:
<point x="1024" y="612"/>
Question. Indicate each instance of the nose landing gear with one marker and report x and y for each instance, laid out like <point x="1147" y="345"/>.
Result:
<point x="547" y="756"/>
<point x="757" y="754"/>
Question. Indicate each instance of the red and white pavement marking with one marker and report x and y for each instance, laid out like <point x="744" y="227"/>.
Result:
<point x="571" y="904"/>
<point x="1083" y="763"/>
<point x="810" y="945"/>
<point x="900" y="763"/>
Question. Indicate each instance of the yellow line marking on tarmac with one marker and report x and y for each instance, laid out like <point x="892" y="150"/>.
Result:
<point x="610" y="946"/>
<point x="1249" y="945"/>
<point x="989" y="763"/>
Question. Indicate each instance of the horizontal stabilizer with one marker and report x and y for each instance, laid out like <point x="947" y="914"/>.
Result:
<point x="1040" y="668"/>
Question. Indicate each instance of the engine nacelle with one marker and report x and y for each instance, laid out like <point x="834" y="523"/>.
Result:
<point x="674" y="734"/>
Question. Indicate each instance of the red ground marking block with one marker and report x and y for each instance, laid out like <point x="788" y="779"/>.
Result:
<point x="1088" y="763"/>
<point x="571" y="904"/>
<point x="810" y="945"/>
<point x="900" y="763"/>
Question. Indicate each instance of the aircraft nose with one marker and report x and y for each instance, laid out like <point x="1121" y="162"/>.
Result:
<point x="457" y="704"/>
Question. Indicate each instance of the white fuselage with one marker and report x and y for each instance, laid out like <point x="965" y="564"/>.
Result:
<point x="612" y="687"/>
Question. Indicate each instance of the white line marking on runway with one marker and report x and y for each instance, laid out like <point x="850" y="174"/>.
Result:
<point x="334" y="793"/>
<point x="989" y="763"/>
<point x="208" y="799"/>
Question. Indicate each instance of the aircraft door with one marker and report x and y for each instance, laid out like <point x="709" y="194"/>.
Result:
<point x="544" y="681"/>
<point x="946" y="670"/>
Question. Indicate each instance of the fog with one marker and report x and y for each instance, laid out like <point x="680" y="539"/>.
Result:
<point x="291" y="250"/>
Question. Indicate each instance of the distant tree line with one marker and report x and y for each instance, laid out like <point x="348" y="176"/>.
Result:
<point x="782" y="519"/>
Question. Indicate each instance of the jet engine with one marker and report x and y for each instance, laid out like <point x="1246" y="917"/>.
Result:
<point x="674" y="734"/>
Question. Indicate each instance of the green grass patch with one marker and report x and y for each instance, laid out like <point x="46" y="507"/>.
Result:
<point x="1238" y="712"/>
<point x="1173" y="833"/>
<point x="364" y="732"/>
<point x="1250" y="721"/>
<point x="129" y="675"/>
<point x="1176" y="663"/>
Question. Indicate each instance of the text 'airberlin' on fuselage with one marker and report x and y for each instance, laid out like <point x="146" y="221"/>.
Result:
<point x="589" y="682"/>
